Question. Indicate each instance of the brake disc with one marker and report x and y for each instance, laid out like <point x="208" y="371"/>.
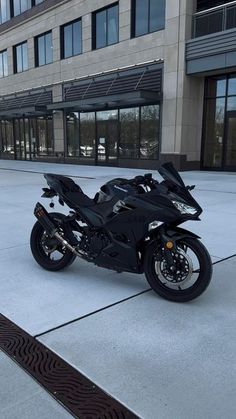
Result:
<point x="183" y="268"/>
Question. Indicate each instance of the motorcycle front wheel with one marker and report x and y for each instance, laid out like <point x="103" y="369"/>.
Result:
<point x="47" y="251"/>
<point x="192" y="273"/>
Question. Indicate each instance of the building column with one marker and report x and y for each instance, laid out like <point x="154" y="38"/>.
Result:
<point x="183" y="95"/>
<point x="87" y="33"/>
<point x="58" y="122"/>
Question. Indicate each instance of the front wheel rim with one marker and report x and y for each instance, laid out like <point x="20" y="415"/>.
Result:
<point x="180" y="281"/>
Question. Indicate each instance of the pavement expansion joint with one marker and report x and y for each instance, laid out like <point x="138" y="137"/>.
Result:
<point x="224" y="259"/>
<point x="79" y="395"/>
<point x="90" y="314"/>
<point x="42" y="173"/>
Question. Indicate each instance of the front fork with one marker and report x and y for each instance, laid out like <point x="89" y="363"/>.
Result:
<point x="169" y="247"/>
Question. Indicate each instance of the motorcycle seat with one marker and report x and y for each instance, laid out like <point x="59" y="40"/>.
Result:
<point x="69" y="191"/>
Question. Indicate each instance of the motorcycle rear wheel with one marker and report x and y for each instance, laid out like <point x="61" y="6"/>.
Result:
<point x="54" y="258"/>
<point x="189" y="281"/>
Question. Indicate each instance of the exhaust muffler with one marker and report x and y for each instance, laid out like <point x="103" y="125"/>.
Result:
<point x="44" y="218"/>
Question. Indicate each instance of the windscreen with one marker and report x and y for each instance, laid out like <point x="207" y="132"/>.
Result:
<point x="168" y="172"/>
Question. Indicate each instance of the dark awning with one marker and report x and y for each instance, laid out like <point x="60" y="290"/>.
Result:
<point x="24" y="111"/>
<point x="135" y="85"/>
<point x="122" y="99"/>
<point x="32" y="103"/>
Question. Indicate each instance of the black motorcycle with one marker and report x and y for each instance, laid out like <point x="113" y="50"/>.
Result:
<point x="129" y="226"/>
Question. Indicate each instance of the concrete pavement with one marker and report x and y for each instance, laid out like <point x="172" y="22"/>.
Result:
<point x="163" y="360"/>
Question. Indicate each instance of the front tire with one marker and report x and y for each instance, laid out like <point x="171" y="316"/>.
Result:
<point x="174" y="287"/>
<point x="43" y="253"/>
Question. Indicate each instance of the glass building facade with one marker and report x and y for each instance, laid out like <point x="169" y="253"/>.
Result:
<point x="219" y="128"/>
<point x="104" y="137"/>
<point x="27" y="138"/>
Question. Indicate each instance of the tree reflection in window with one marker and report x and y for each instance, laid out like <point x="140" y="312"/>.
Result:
<point x="149" y="142"/>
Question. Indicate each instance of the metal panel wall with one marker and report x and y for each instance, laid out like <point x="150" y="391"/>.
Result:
<point x="212" y="52"/>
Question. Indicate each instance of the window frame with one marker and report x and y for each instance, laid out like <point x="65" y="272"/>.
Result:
<point x="62" y="38"/>
<point x="133" y="21"/>
<point x="94" y="26"/>
<point x="36" y="49"/>
<point x="2" y="63"/>
<point x="11" y="15"/>
<point x="15" y="57"/>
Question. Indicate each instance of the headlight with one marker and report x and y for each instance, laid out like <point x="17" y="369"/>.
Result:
<point x="184" y="209"/>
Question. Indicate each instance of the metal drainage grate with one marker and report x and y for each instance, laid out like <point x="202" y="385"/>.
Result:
<point x="80" y="396"/>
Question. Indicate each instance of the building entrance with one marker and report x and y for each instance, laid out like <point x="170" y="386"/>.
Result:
<point x="107" y="137"/>
<point x="219" y="129"/>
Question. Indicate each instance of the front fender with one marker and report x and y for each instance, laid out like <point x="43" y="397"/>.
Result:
<point x="176" y="233"/>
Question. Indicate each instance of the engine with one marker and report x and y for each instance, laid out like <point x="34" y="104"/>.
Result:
<point x="92" y="242"/>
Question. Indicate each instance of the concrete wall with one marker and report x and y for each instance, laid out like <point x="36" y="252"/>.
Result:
<point x="183" y="96"/>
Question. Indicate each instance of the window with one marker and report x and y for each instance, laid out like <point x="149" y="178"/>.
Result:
<point x="43" y="49"/>
<point x="81" y="134"/>
<point x="129" y="133"/>
<point x="20" y="57"/>
<point x="149" y="141"/>
<point x="4" y="10"/>
<point x="71" y="37"/>
<point x="6" y="138"/>
<point x="3" y="64"/>
<point x="106" y="27"/>
<point x="20" y="6"/>
<point x="147" y="16"/>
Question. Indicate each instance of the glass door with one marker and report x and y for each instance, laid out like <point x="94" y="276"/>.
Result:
<point x="22" y="139"/>
<point x="230" y="145"/>
<point x="107" y="137"/>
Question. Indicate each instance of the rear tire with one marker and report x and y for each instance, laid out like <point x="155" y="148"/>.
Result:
<point x="169" y="290"/>
<point x="39" y="252"/>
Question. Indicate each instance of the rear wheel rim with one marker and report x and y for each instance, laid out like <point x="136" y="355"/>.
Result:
<point x="50" y="249"/>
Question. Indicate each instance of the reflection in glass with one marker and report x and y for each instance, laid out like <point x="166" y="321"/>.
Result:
<point x="6" y="138"/>
<point x="231" y="142"/>
<point x="214" y="130"/>
<point x="77" y="38"/>
<point x="149" y="16"/>
<point x="106" y="25"/>
<point x="72" y="127"/>
<point x="157" y="15"/>
<point x="44" y="135"/>
<point x="232" y="86"/>
<point x="48" y="47"/>
<point x="112" y="25"/>
<point x="149" y="142"/>
<point x="68" y="41"/>
<point x="231" y="103"/>
<point x="20" y="58"/>
<point x="141" y="17"/>
<point x="20" y="6"/>
<point x="129" y="133"/>
<point x="107" y="135"/>
<point x="4" y="10"/>
<point x="72" y="39"/>
<point x="216" y="87"/>
<point x="101" y="29"/>
<point x="3" y="64"/>
<point x="44" y="49"/>
<point x="87" y="134"/>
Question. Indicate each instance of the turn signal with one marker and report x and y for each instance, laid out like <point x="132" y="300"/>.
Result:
<point x="169" y="245"/>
